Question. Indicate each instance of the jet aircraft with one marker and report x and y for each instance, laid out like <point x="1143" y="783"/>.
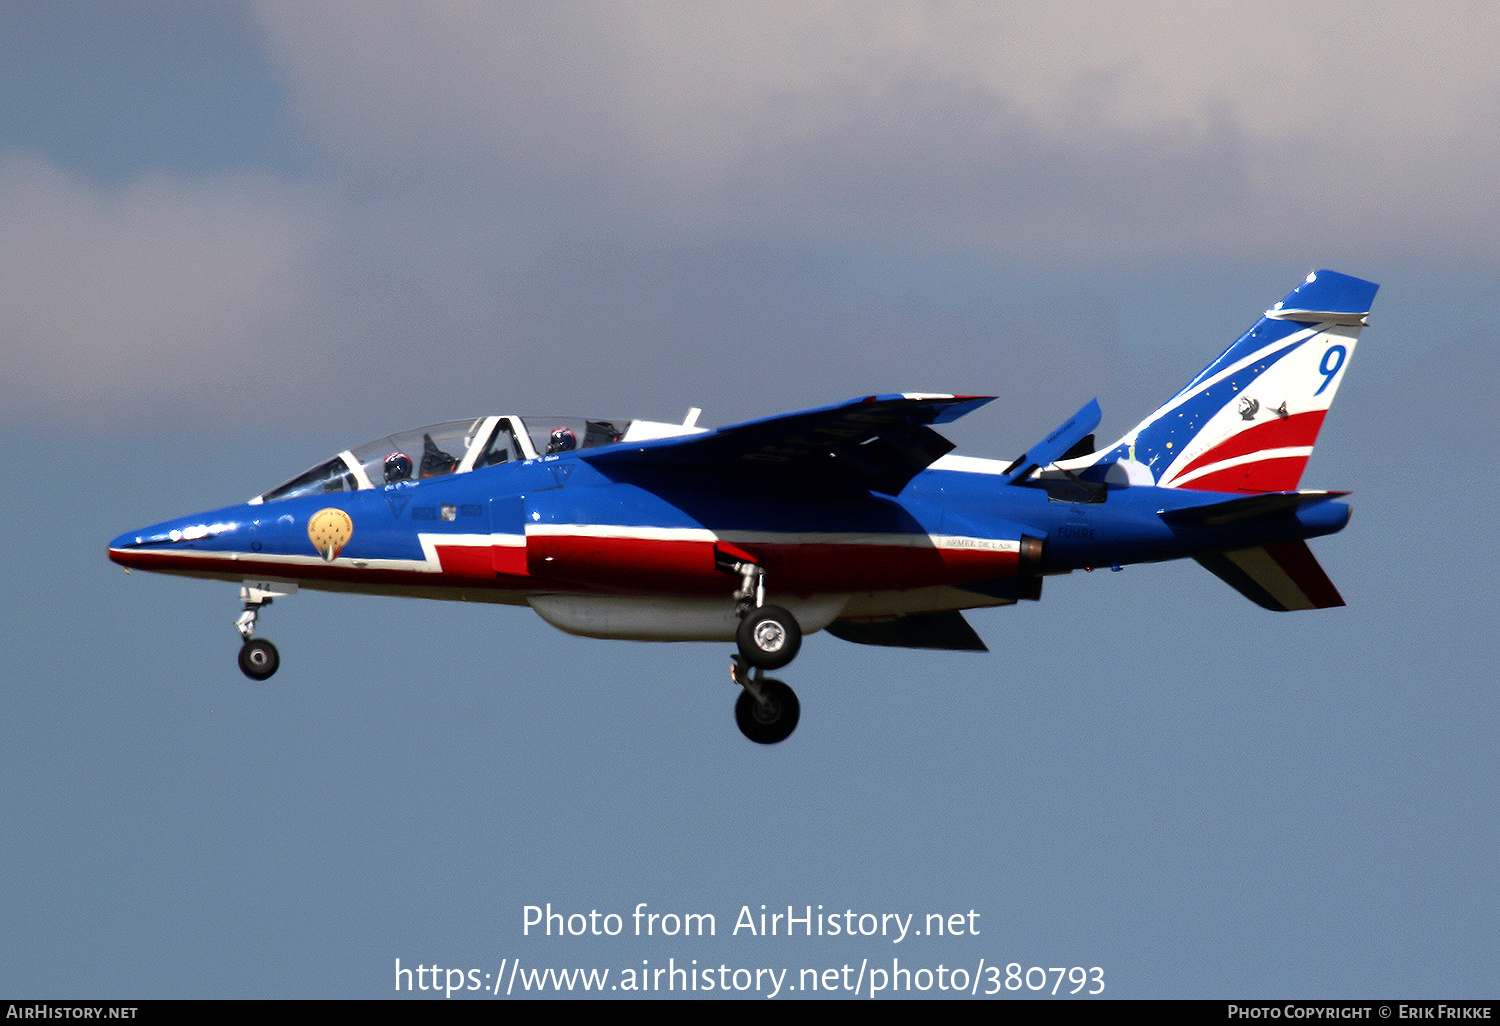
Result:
<point x="852" y="518"/>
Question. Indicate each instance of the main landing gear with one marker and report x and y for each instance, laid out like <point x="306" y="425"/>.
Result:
<point x="767" y="710"/>
<point x="258" y="657"/>
<point x="768" y="638"/>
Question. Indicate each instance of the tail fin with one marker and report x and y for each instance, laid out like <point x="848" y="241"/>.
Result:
<point x="1248" y="422"/>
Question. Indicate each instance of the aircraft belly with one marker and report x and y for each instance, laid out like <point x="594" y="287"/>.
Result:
<point x="668" y="618"/>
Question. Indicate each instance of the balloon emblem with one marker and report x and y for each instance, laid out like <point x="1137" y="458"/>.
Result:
<point x="330" y="530"/>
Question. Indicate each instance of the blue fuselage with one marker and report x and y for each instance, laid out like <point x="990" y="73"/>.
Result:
<point x="558" y="524"/>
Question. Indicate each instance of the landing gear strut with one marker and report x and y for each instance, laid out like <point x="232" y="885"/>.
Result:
<point x="767" y="710"/>
<point x="258" y="657"/>
<point x="768" y="638"/>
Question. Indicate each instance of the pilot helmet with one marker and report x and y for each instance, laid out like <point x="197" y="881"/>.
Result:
<point x="397" y="467"/>
<point x="562" y="439"/>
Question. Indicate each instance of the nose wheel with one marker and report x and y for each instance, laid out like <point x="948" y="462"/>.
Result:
<point x="258" y="657"/>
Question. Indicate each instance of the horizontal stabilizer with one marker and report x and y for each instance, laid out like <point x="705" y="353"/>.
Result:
<point x="1279" y="577"/>
<point x="1327" y="297"/>
<point x="948" y="631"/>
<point x="1058" y="444"/>
<point x="1269" y="504"/>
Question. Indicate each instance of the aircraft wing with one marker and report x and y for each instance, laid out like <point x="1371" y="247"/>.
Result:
<point x="878" y="443"/>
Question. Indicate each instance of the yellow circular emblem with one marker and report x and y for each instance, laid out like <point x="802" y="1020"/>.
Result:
<point x="330" y="530"/>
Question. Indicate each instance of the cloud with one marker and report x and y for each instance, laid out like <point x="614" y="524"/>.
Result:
<point x="1091" y="129"/>
<point x="164" y="287"/>
<point x="575" y="197"/>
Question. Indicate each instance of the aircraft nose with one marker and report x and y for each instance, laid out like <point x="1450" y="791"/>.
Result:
<point x="136" y="538"/>
<point x="129" y="548"/>
<point x="172" y="541"/>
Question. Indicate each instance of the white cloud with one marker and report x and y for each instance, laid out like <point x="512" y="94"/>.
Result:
<point x="1098" y="127"/>
<point x="163" y="287"/>
<point x="501" y="184"/>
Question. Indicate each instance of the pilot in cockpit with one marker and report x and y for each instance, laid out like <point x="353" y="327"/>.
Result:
<point x="562" y="439"/>
<point x="397" y="467"/>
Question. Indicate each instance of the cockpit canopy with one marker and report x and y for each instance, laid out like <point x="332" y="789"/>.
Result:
<point x="460" y="446"/>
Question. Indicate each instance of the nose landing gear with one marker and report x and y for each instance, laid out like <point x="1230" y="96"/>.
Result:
<point x="258" y="657"/>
